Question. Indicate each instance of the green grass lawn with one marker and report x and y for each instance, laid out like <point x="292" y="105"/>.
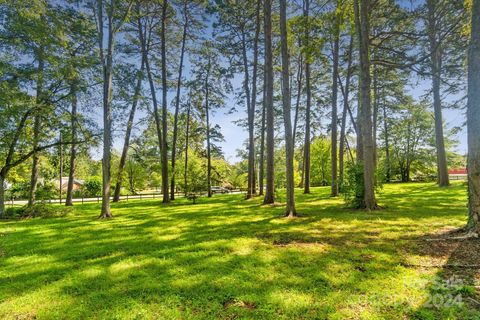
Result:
<point x="228" y="258"/>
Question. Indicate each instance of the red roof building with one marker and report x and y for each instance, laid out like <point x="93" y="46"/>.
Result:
<point x="458" y="171"/>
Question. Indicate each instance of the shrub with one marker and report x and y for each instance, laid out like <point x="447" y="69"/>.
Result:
<point x="92" y="188"/>
<point x="38" y="210"/>
<point x="353" y="185"/>
<point x="19" y="190"/>
<point x="47" y="191"/>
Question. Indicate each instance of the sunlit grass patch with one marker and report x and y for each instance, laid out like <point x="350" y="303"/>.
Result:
<point x="226" y="257"/>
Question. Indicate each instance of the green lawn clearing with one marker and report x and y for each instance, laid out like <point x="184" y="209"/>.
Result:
<point x="230" y="258"/>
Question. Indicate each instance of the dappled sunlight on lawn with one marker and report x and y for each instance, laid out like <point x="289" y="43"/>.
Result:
<point x="226" y="258"/>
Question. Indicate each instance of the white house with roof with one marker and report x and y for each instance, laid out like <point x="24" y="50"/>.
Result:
<point x="77" y="184"/>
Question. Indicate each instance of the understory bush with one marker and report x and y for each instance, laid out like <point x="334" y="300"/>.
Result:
<point x="42" y="210"/>
<point x="353" y="186"/>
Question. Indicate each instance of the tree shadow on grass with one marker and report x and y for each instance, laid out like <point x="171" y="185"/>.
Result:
<point x="454" y="291"/>
<point x="222" y="258"/>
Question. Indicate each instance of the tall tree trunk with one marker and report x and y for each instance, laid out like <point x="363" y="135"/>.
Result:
<point x="60" y="164"/>
<point x="261" y="170"/>
<point x="207" y="114"/>
<point x="107" y="133"/>
<point x="2" y="196"/>
<point x="346" y="92"/>
<point x="251" y="142"/>
<point x="177" y="101"/>
<point x="164" y="150"/>
<point x="473" y="123"/>
<point x="436" y="70"/>
<point x="254" y="99"/>
<point x="35" y="161"/>
<point x="336" y="45"/>
<point x="143" y="42"/>
<point x="306" y="147"/>
<point x="107" y="125"/>
<point x="270" y="147"/>
<point x="376" y="97"/>
<point x="187" y="136"/>
<point x="107" y="65"/>
<point x="73" y="147"/>
<point x="37" y="122"/>
<point x="287" y="109"/>
<point x="364" y="124"/>
<point x="299" y="93"/>
<point x="128" y="132"/>
<point x="388" y="174"/>
<point x="301" y="168"/>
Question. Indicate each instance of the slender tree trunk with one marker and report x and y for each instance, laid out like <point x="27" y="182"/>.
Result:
<point x="436" y="69"/>
<point x="156" y="116"/>
<point x="107" y="125"/>
<point x="388" y="174"/>
<point x="107" y="65"/>
<point x="177" y="101"/>
<point x="301" y="167"/>
<point x="107" y="135"/>
<point x="261" y="173"/>
<point x="251" y="143"/>
<point x="359" y="120"/>
<point x="364" y="124"/>
<point x="209" y="151"/>
<point x="128" y="132"/>
<point x="299" y="93"/>
<point x="187" y="136"/>
<point x="306" y="147"/>
<point x="270" y="147"/>
<point x="286" y="97"/>
<point x="336" y="49"/>
<point x="73" y="147"/>
<point x="254" y="96"/>
<point x="37" y="122"/>
<point x="35" y="161"/>
<point x="60" y="151"/>
<point x="164" y="150"/>
<point x="2" y="196"/>
<point x="376" y="98"/>
<point x="346" y="92"/>
<point x="473" y="123"/>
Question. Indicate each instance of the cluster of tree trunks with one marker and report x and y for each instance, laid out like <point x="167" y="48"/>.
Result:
<point x="365" y="143"/>
<point x="286" y="99"/>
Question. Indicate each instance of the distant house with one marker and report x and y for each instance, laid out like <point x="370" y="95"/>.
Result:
<point x="457" y="174"/>
<point x="77" y="184"/>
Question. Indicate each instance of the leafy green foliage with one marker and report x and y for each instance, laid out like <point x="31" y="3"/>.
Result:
<point x="92" y="188"/>
<point x="353" y="186"/>
<point x="39" y="210"/>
